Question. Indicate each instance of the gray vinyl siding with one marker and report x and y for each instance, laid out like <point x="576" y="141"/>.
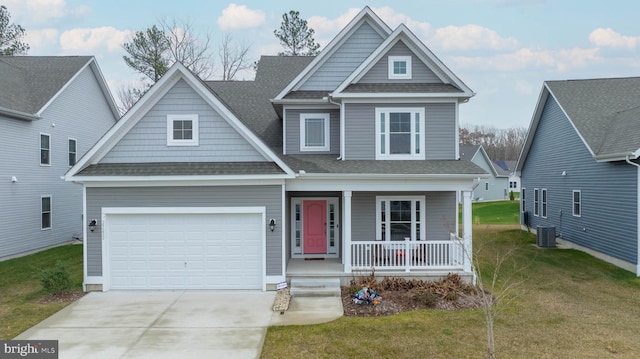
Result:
<point x="292" y="131"/>
<point x="440" y="131"/>
<point x="609" y="190"/>
<point x="223" y="196"/>
<point x="147" y="140"/>
<point x="344" y="60"/>
<point x="440" y="214"/>
<point x="420" y="73"/>
<point x="80" y="112"/>
<point x="498" y="187"/>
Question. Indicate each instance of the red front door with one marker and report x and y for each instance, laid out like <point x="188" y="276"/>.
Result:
<point x="315" y="226"/>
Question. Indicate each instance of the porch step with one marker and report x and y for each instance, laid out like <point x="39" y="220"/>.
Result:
<point x="315" y="287"/>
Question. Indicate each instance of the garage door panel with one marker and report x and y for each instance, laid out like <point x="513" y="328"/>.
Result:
<point x="192" y="251"/>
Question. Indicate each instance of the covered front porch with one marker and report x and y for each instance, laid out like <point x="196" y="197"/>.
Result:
<point x="430" y="248"/>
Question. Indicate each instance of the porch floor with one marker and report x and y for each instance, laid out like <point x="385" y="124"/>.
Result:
<point x="333" y="268"/>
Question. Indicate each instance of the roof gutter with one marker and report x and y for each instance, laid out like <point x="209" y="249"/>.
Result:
<point x="616" y="157"/>
<point x="19" y="114"/>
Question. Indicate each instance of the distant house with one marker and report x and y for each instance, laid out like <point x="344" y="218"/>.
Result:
<point x="349" y="157"/>
<point x="508" y="168"/>
<point x="52" y="110"/>
<point x="579" y="167"/>
<point x="492" y="188"/>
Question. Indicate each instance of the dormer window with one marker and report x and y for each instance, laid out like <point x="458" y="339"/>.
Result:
<point x="314" y="132"/>
<point x="400" y="67"/>
<point x="182" y="130"/>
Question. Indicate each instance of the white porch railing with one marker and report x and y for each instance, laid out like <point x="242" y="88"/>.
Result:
<point x="408" y="255"/>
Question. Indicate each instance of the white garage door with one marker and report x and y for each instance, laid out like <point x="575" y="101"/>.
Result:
<point x="185" y="251"/>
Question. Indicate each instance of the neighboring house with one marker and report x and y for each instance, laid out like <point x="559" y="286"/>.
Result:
<point x="579" y="167"/>
<point x="493" y="188"/>
<point x="52" y="110"/>
<point x="508" y="168"/>
<point x="349" y="157"/>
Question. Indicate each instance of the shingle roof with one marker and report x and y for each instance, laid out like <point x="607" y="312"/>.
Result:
<point x="468" y="151"/>
<point x="181" y="169"/>
<point x="330" y="164"/>
<point x="604" y="111"/>
<point x="27" y="83"/>
<point x="401" y="88"/>
<point x="251" y="100"/>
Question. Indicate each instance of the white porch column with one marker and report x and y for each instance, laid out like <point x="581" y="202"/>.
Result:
<point x="346" y="230"/>
<point x="466" y="230"/>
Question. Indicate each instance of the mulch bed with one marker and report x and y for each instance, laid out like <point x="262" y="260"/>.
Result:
<point x="61" y="298"/>
<point x="451" y="294"/>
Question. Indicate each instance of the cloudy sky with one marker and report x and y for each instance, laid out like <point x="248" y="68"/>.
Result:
<point x="502" y="49"/>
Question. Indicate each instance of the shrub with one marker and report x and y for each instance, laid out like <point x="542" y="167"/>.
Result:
<point x="511" y="196"/>
<point x="426" y="297"/>
<point x="55" y="279"/>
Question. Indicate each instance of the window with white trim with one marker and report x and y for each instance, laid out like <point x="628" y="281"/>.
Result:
<point x="399" y="67"/>
<point x="544" y="203"/>
<point x="314" y="131"/>
<point x="399" y="218"/>
<point x="45" y="149"/>
<point x="400" y="133"/>
<point x="577" y="203"/>
<point x="182" y="130"/>
<point x="73" y="151"/>
<point x="536" y="202"/>
<point x="45" y="212"/>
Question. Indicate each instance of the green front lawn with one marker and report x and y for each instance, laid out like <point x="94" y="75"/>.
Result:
<point x="497" y="212"/>
<point x="567" y="305"/>
<point x="20" y="289"/>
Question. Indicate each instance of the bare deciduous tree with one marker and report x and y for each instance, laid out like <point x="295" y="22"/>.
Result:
<point x="500" y="144"/>
<point x="189" y="47"/>
<point x="234" y="57"/>
<point x="128" y="96"/>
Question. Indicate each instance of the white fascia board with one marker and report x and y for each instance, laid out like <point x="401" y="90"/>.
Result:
<point x="186" y="183"/>
<point x="334" y="44"/>
<point x="299" y="101"/>
<point x="397" y="95"/>
<point x="167" y="179"/>
<point x="18" y="114"/>
<point x="105" y="88"/>
<point x="402" y="100"/>
<point x="377" y="184"/>
<point x="593" y="154"/>
<point x="533" y="126"/>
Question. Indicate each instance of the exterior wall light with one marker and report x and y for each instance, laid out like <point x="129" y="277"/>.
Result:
<point x="272" y="224"/>
<point x="92" y="225"/>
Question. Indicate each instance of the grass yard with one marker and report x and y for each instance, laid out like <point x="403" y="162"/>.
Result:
<point x="566" y="305"/>
<point x="497" y="212"/>
<point x="20" y="288"/>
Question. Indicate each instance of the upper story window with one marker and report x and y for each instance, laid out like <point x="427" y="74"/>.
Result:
<point x="45" y="149"/>
<point x="73" y="151"/>
<point x="400" y="133"/>
<point x="400" y="67"/>
<point x="314" y="131"/>
<point x="182" y="130"/>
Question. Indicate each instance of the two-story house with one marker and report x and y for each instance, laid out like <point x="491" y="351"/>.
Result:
<point x="348" y="160"/>
<point x="492" y="188"/>
<point x="52" y="110"/>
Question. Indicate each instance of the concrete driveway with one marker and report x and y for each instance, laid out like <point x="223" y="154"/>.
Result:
<point x="164" y="324"/>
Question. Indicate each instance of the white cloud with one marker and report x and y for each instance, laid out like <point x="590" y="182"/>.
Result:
<point x="41" y="38"/>
<point x="240" y="17"/>
<point x="35" y="12"/>
<point x="471" y="37"/>
<point x="91" y="39"/>
<point x="526" y="58"/>
<point x="609" y="38"/>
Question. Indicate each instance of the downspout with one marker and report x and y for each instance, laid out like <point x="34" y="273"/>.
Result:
<point x="637" y="214"/>
<point x="339" y="104"/>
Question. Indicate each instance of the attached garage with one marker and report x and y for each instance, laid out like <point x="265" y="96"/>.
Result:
<point x="184" y="248"/>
